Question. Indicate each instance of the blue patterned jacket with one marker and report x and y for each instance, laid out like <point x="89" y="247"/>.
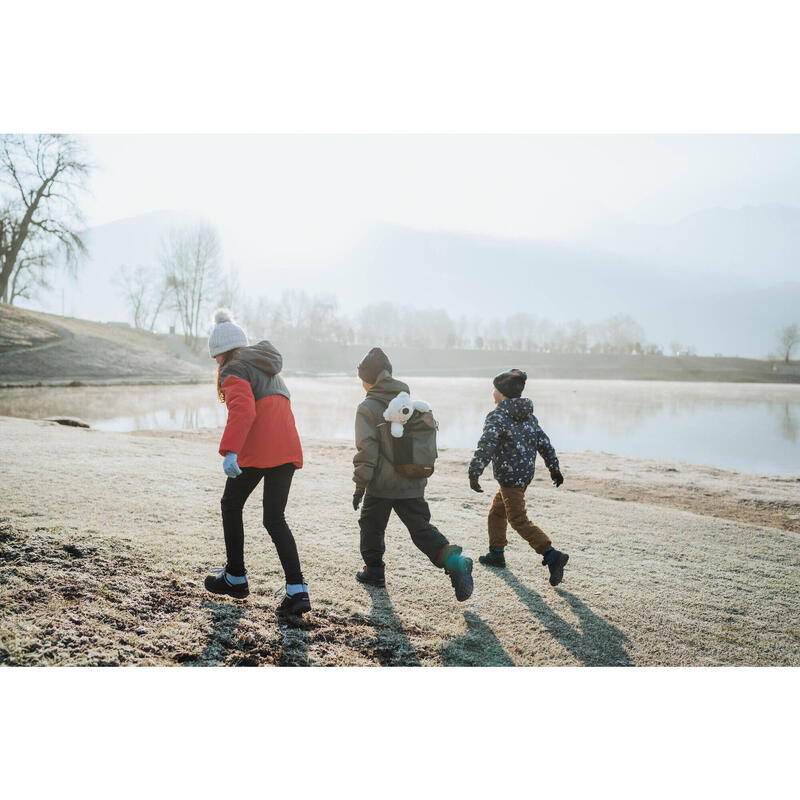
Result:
<point x="510" y="440"/>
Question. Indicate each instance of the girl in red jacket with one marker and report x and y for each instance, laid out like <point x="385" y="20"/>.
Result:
<point x="260" y="442"/>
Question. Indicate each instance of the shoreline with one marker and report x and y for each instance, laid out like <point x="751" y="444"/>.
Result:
<point x="63" y="383"/>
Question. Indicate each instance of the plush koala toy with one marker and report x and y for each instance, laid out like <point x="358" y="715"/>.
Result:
<point x="399" y="411"/>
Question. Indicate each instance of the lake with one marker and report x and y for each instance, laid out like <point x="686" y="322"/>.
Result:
<point x="751" y="427"/>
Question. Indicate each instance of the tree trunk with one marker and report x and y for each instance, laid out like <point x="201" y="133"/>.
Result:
<point x="21" y="234"/>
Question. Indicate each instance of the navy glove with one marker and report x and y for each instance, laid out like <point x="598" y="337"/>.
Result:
<point x="358" y="496"/>
<point x="230" y="466"/>
<point x="557" y="477"/>
<point x="474" y="485"/>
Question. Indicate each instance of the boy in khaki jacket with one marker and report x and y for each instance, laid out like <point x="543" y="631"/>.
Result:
<point x="510" y="440"/>
<point x="384" y="490"/>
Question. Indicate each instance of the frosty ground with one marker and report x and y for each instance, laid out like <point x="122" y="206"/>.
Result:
<point x="105" y="539"/>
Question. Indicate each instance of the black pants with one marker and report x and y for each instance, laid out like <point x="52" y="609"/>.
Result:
<point x="277" y="482"/>
<point x="414" y="514"/>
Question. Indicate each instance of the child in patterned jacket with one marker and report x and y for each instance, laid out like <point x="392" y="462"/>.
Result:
<point x="510" y="440"/>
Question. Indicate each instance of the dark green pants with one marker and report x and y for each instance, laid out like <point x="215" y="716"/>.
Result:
<point x="414" y="514"/>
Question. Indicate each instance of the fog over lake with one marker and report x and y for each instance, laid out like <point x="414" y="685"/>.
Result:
<point x="750" y="427"/>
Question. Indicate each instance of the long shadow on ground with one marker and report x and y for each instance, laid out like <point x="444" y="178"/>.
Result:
<point x="478" y="647"/>
<point x="225" y="619"/>
<point x="295" y="642"/>
<point x="392" y="646"/>
<point x="597" y="643"/>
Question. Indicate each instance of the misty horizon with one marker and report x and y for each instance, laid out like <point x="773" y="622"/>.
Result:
<point x="694" y="237"/>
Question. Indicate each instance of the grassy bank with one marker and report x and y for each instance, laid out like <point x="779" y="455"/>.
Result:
<point x="44" y="349"/>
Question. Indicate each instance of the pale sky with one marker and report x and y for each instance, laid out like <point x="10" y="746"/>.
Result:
<point x="310" y="194"/>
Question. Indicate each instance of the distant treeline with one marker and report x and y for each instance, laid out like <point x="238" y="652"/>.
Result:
<point x="189" y="280"/>
<point x="306" y="318"/>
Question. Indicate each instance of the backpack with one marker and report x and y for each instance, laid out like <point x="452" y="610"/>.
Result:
<point x="414" y="453"/>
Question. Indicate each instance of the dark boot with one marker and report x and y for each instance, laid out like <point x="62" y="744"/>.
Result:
<point x="372" y="576"/>
<point x="459" y="569"/>
<point x="555" y="561"/>
<point x="494" y="558"/>
<point x="216" y="584"/>
<point x="293" y="605"/>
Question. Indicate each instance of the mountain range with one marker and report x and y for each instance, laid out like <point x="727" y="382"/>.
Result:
<point x="723" y="280"/>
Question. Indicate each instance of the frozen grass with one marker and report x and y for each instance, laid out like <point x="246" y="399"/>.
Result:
<point x="45" y="349"/>
<point x="105" y="540"/>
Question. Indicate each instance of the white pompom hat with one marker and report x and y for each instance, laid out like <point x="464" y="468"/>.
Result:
<point x="226" y="334"/>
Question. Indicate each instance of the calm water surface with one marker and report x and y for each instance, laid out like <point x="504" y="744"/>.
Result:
<point x="753" y="427"/>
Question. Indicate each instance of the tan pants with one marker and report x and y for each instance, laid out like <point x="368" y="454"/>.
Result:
<point x="508" y="506"/>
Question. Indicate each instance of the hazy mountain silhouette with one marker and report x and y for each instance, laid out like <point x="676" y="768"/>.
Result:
<point x="759" y="243"/>
<point x="668" y="277"/>
<point x="492" y="277"/>
<point x="94" y="295"/>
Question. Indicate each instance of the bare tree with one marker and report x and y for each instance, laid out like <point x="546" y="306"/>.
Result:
<point x="190" y="263"/>
<point x="230" y="289"/>
<point x="43" y="175"/>
<point x="30" y="272"/>
<point x="577" y="337"/>
<point x="789" y="338"/>
<point x="622" y="333"/>
<point x="145" y="292"/>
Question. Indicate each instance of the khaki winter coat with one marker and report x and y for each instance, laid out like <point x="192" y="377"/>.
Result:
<point x="373" y="471"/>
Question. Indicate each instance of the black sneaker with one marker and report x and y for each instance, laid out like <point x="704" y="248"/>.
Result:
<point x="216" y="584"/>
<point x="461" y="577"/>
<point x="555" y="561"/>
<point x="494" y="558"/>
<point x="372" y="576"/>
<point x="293" y="605"/>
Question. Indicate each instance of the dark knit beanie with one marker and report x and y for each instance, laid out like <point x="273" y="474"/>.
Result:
<point x="511" y="383"/>
<point x="373" y="364"/>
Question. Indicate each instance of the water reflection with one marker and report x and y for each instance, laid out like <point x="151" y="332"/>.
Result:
<point x="788" y="423"/>
<point x="740" y="426"/>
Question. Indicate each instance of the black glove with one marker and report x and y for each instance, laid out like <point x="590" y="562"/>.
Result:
<point x="358" y="496"/>
<point x="474" y="485"/>
<point x="557" y="477"/>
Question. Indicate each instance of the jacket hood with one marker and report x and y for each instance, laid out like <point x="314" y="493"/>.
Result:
<point x="263" y="356"/>
<point x="386" y="388"/>
<point x="518" y="408"/>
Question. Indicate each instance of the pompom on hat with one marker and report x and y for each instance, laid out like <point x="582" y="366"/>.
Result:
<point x="226" y="334"/>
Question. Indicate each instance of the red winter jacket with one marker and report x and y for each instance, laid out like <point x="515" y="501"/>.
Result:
<point x="260" y="427"/>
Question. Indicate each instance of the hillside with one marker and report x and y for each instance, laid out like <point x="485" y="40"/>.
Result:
<point x="37" y="348"/>
<point x="754" y="241"/>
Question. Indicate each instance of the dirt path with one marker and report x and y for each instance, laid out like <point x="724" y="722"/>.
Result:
<point x="59" y="333"/>
<point x="105" y="540"/>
